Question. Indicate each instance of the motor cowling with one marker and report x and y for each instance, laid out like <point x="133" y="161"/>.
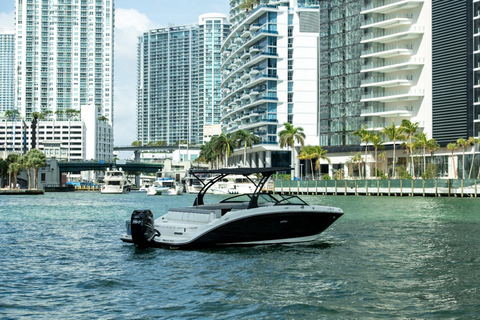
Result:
<point x="143" y="228"/>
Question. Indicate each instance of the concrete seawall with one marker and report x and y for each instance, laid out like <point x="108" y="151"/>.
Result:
<point x="21" y="192"/>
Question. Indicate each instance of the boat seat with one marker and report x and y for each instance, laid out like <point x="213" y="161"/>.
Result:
<point x="193" y="215"/>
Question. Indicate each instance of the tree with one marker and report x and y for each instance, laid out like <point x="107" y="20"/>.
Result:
<point x="308" y="153"/>
<point x="432" y="146"/>
<point x="207" y="152"/>
<point x="393" y="133"/>
<point x="320" y="154"/>
<point x="365" y="136"/>
<point x="473" y="141"/>
<point x="102" y="118"/>
<point x="224" y="144"/>
<point x="37" y="160"/>
<point x="453" y="147"/>
<point x="422" y="142"/>
<point x="11" y="158"/>
<point x="11" y="114"/>
<point x="37" y="115"/>
<point x="248" y="138"/>
<point x="357" y="158"/>
<point x="137" y="143"/>
<point x="247" y="5"/>
<point x="25" y="163"/>
<point x="410" y="128"/>
<point x="59" y="113"/>
<point x="3" y="171"/>
<point x="72" y="113"/>
<point x="464" y="144"/>
<point x="377" y="143"/>
<point x="288" y="136"/>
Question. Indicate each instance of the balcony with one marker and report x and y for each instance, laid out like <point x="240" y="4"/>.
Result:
<point x="388" y="21"/>
<point x="387" y="112"/>
<point x="394" y="65"/>
<point x="394" y="35"/>
<point x="391" y="96"/>
<point x="390" y="6"/>
<point x="387" y="51"/>
<point x="393" y="81"/>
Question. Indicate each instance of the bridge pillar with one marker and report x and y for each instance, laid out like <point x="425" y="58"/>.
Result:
<point x="136" y="154"/>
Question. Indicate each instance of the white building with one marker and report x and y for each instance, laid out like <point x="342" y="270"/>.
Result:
<point x="7" y="69"/>
<point x="270" y="76"/>
<point x="81" y="139"/>
<point x="63" y="62"/>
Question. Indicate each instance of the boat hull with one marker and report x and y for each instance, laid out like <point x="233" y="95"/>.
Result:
<point x="268" y="228"/>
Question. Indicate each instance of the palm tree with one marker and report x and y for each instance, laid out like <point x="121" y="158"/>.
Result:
<point x="207" y="153"/>
<point x="463" y="143"/>
<point x="224" y="144"/>
<point x="357" y="158"/>
<point x="248" y="138"/>
<point x="453" y="147"/>
<point x="377" y="143"/>
<point x="3" y="171"/>
<point x="365" y="136"/>
<point x="25" y="163"/>
<point x="247" y="5"/>
<point x="11" y="158"/>
<point x="308" y="153"/>
<point x="11" y="114"/>
<point x="320" y="154"/>
<point x="432" y="146"/>
<point x="37" y="159"/>
<point x="473" y="141"/>
<point x="288" y="136"/>
<point x="422" y="141"/>
<point x="393" y="133"/>
<point x="410" y="128"/>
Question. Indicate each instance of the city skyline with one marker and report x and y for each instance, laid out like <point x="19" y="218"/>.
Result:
<point x="132" y="19"/>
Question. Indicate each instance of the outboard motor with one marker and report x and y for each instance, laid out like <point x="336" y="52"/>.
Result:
<point x="143" y="228"/>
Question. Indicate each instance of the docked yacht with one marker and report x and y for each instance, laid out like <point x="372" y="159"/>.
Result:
<point x="116" y="182"/>
<point x="164" y="186"/>
<point x="234" y="184"/>
<point x="244" y="219"/>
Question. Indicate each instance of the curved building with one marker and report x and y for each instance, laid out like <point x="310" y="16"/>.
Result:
<point x="270" y="76"/>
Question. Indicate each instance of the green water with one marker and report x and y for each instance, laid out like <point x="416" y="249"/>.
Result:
<point x="386" y="258"/>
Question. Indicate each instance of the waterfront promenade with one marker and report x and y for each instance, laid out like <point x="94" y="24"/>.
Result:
<point x="408" y="187"/>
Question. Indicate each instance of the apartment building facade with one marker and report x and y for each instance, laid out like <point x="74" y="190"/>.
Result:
<point x="7" y="69"/>
<point x="64" y="64"/>
<point x="270" y="76"/>
<point x="178" y="77"/>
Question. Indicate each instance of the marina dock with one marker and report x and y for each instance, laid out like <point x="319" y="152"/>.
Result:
<point x="410" y="187"/>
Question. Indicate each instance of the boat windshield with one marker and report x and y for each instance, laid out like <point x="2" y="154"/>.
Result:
<point x="264" y="198"/>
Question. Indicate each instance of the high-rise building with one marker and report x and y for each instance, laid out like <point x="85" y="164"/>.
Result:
<point x="178" y="76"/>
<point x="7" y="69"/>
<point x="64" y="62"/>
<point x="270" y="75"/>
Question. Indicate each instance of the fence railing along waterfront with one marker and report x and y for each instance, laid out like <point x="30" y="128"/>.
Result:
<point x="392" y="187"/>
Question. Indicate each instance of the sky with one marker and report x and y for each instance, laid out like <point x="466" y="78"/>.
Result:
<point x="132" y="18"/>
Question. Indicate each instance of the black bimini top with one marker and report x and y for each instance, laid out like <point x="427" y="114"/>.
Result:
<point x="265" y="172"/>
<point x="241" y="171"/>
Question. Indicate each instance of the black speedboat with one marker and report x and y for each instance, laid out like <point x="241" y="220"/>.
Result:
<point x="246" y="219"/>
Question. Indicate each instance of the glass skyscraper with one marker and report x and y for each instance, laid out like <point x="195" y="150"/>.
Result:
<point x="177" y="91"/>
<point x="7" y="69"/>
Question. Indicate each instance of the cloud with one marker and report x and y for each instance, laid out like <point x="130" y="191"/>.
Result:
<point x="129" y="25"/>
<point x="7" y="19"/>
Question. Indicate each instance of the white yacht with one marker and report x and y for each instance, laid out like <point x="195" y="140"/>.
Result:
<point x="246" y="219"/>
<point x="116" y="182"/>
<point x="166" y="186"/>
<point x="234" y="184"/>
